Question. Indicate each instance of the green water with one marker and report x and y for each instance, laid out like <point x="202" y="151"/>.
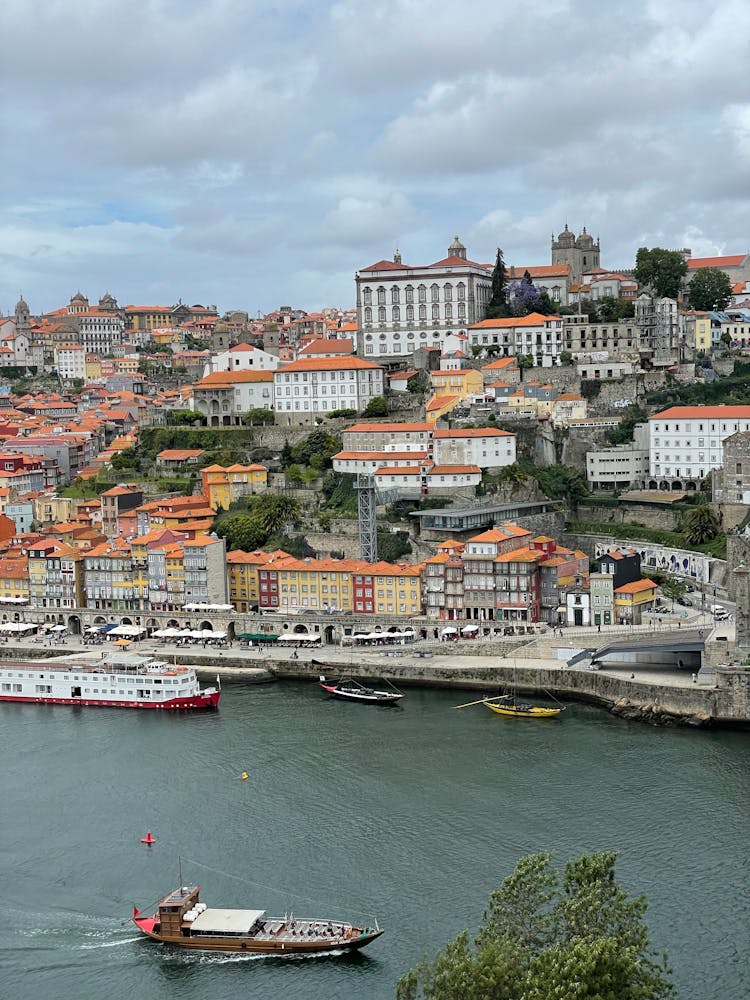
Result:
<point x="411" y="815"/>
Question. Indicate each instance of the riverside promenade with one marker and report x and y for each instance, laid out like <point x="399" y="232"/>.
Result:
<point x="638" y="690"/>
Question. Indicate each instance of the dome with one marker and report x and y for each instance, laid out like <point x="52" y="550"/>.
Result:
<point x="456" y="245"/>
<point x="585" y="240"/>
<point x="78" y="297"/>
<point x="109" y="299"/>
<point x="22" y="305"/>
<point x="566" y="238"/>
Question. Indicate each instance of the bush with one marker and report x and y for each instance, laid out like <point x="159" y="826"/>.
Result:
<point x="341" y="413"/>
<point x="377" y="407"/>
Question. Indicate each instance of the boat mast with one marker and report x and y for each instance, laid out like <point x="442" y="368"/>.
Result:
<point x="179" y="867"/>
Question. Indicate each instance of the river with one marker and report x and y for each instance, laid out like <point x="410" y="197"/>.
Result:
<point x="413" y="815"/>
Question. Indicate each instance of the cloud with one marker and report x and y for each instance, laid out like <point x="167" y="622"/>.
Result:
<point x="293" y="141"/>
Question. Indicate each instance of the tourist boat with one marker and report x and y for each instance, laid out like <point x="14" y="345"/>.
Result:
<point x="182" y="920"/>
<point x="153" y="685"/>
<point x="348" y="689"/>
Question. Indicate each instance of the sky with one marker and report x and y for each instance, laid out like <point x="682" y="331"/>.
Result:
<point x="254" y="153"/>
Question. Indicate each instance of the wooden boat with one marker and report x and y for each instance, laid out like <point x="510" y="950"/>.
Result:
<point x="502" y="707"/>
<point x="348" y="689"/>
<point x="183" y="921"/>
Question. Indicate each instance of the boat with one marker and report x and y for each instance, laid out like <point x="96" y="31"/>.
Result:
<point x="151" y="685"/>
<point x="349" y="689"/>
<point x="183" y="921"/>
<point x="506" y="704"/>
<point x="503" y="707"/>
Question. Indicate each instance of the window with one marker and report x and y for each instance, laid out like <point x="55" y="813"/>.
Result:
<point x="409" y="293"/>
<point x="434" y="292"/>
<point x="396" y="314"/>
<point x="435" y="310"/>
<point x="410" y="314"/>
<point x="368" y="315"/>
<point x="367" y="296"/>
<point x="381" y="296"/>
<point x="423" y="314"/>
<point x="460" y="291"/>
<point x="395" y="295"/>
<point x="448" y="292"/>
<point x="381" y="314"/>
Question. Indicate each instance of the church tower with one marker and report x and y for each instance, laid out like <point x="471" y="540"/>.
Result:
<point x="23" y="317"/>
<point x="457" y="249"/>
<point x="580" y="253"/>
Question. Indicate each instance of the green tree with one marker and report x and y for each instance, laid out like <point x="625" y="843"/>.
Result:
<point x="566" y="358"/>
<point x="664" y="270"/>
<point x="543" y="938"/>
<point x="293" y="475"/>
<point x="710" y="289"/>
<point x="672" y="589"/>
<point x="497" y="307"/>
<point x="241" y="531"/>
<point x="524" y="361"/>
<point x="622" y="433"/>
<point x="287" y="456"/>
<point x="700" y="525"/>
<point x="258" y="416"/>
<point x="726" y="338"/>
<point x="275" y="511"/>
<point x="377" y="407"/>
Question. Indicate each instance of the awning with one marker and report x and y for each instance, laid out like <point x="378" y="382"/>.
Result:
<point x="449" y="630"/>
<point x="469" y="628"/>
<point x="57" y="628"/>
<point x="258" y="637"/>
<point x="127" y="631"/>
<point x="18" y="627"/>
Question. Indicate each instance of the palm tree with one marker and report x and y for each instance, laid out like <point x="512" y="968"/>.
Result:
<point x="275" y="512"/>
<point x="700" y="525"/>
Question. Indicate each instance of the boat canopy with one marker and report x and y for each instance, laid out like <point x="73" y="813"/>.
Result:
<point x="213" y="921"/>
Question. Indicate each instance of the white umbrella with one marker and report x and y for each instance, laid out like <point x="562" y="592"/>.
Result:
<point x="449" y="630"/>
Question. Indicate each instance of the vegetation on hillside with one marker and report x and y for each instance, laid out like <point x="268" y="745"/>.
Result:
<point x="717" y="547"/>
<point x="735" y="388"/>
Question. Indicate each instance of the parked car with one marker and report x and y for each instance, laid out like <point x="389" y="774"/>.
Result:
<point x="685" y="601"/>
<point x="660" y="609"/>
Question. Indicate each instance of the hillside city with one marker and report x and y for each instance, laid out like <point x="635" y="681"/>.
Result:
<point x="506" y="447"/>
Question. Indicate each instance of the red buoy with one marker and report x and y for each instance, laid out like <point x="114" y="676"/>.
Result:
<point x="148" y="839"/>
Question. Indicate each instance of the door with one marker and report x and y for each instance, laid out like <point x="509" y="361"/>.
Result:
<point x="578" y="616"/>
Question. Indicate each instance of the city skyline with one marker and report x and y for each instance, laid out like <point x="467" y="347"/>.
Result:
<point x="253" y="157"/>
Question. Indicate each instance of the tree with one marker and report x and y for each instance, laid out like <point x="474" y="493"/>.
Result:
<point x="566" y="357"/>
<point x="672" y="589"/>
<point x="276" y="511"/>
<point x="664" y="270"/>
<point x="544" y="938"/>
<point x="241" y="531"/>
<point x="258" y="416"/>
<point x="377" y="407"/>
<point x="710" y="289"/>
<point x="497" y="307"/>
<point x="700" y="525"/>
<point x="524" y="361"/>
<point x="522" y="297"/>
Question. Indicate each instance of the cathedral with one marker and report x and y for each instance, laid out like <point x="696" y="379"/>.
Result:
<point x="580" y="253"/>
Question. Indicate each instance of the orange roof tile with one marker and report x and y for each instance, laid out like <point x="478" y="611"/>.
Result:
<point x="327" y="364"/>
<point x="533" y="319"/>
<point x="457" y="470"/>
<point x="733" y="260"/>
<point x="636" y="587"/>
<point x="708" y="412"/>
<point x="472" y="432"/>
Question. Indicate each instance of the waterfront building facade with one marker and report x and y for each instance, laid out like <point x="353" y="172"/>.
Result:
<point x="685" y="443"/>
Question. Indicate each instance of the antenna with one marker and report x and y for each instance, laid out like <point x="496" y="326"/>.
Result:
<point x="179" y="866"/>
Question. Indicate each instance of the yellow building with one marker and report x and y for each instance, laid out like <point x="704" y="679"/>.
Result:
<point x="14" y="581"/>
<point x="462" y="382"/>
<point x="53" y="509"/>
<point x="55" y="575"/>
<point x="632" y="599"/>
<point x="126" y="366"/>
<point x="224" y="484"/>
<point x="438" y="406"/>
<point x="568" y="406"/>
<point x="93" y="367"/>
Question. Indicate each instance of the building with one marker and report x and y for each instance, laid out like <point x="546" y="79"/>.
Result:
<point x="601" y="588"/>
<point x="320" y="385"/>
<point x="462" y="383"/>
<point x="731" y="483"/>
<point x="222" y="485"/>
<point x="110" y="583"/>
<point x="487" y="447"/>
<point x="735" y="266"/>
<point x="224" y="397"/>
<point x="117" y="502"/>
<point x="387" y="437"/>
<point x="622" y="564"/>
<point x="176" y="458"/>
<point x="579" y="253"/>
<point x="327" y="348"/>
<point x="623" y="467"/>
<point x="401" y="307"/>
<point x="658" y="326"/>
<point x="243" y="358"/>
<point x="14" y="581"/>
<point x="55" y="575"/>
<point x="633" y="599"/>
<point x="70" y="361"/>
<point x="685" y="443"/>
<point x="536" y="335"/>
<point x="618" y="340"/>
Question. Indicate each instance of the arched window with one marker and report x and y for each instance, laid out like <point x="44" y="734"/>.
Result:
<point x="448" y="311"/>
<point x="448" y="292"/>
<point x="368" y="315"/>
<point x="381" y="314"/>
<point x="409" y="290"/>
<point x="435" y="310"/>
<point x="434" y="292"/>
<point x="423" y="312"/>
<point x="461" y="310"/>
<point x="381" y="296"/>
<point x="460" y="291"/>
<point x="422" y="293"/>
<point x="396" y="314"/>
<point x="395" y="294"/>
<point x="410" y="314"/>
<point x="367" y="296"/>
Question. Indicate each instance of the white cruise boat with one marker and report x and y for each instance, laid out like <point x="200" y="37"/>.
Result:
<point x="154" y="685"/>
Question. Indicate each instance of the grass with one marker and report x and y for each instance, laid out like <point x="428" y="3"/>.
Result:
<point x="717" y="547"/>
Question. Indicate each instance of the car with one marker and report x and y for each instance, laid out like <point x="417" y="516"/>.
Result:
<point x="660" y="609"/>
<point x="685" y="601"/>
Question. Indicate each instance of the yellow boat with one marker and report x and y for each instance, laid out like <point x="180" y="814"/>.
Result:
<point x="522" y="711"/>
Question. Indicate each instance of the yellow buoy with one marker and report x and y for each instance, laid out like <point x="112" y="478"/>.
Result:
<point x="245" y="775"/>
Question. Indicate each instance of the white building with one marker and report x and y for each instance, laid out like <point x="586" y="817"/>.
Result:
<point x="223" y="397"/>
<point x="70" y="361"/>
<point x="536" y="334"/>
<point x="388" y="437"/>
<point x="620" y="468"/>
<point x="340" y="347"/>
<point x="369" y="462"/>
<point x="318" y="385"/>
<point x="401" y="308"/>
<point x="599" y="371"/>
<point x="685" y="442"/>
<point x="243" y="358"/>
<point x="486" y="447"/>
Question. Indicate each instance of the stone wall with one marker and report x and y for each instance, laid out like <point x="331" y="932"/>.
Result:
<point x="659" y="516"/>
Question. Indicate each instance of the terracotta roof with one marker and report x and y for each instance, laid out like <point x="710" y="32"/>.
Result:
<point x="733" y="260"/>
<point x="500" y="364"/>
<point x="454" y="470"/>
<point x="521" y="555"/>
<point x="343" y="345"/>
<point x="377" y="456"/>
<point x="501" y="533"/>
<point x="438" y="402"/>
<point x="180" y="454"/>
<point x="326" y="364"/>
<point x="472" y="432"/>
<point x="228" y="379"/>
<point x="509" y="322"/>
<point x="385" y="265"/>
<point x="397" y="376"/>
<point x="539" y="271"/>
<point x="396" y="471"/>
<point x="708" y="412"/>
<point x="454" y="261"/>
<point x="636" y="587"/>
<point x="364" y="428"/>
